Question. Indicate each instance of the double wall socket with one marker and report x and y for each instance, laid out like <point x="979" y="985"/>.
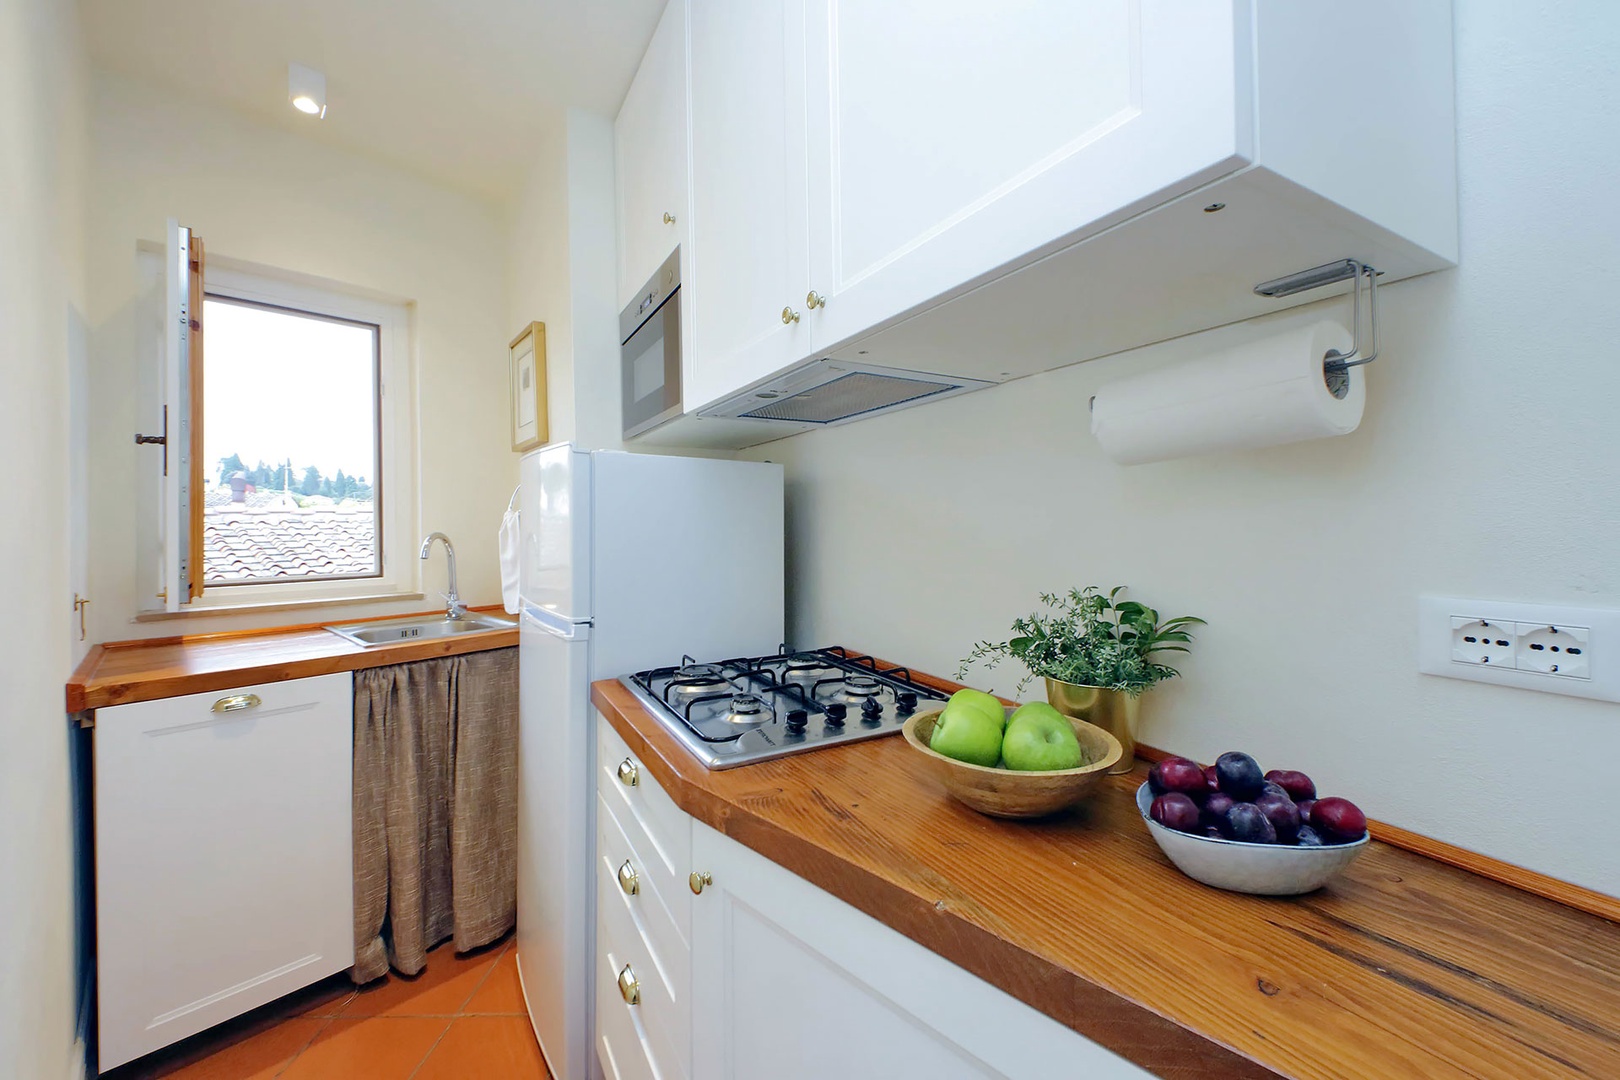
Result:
<point x="1557" y="650"/>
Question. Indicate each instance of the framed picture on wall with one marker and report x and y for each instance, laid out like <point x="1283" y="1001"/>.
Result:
<point x="527" y="356"/>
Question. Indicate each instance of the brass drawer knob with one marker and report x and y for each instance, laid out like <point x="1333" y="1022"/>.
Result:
<point x="789" y="316"/>
<point x="698" y="880"/>
<point x="669" y="218"/>
<point x="629" y="988"/>
<point x="814" y="300"/>
<point x="237" y="703"/>
<point x="629" y="775"/>
<point x="629" y="883"/>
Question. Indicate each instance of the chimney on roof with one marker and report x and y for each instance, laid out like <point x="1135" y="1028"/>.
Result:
<point x="239" y="487"/>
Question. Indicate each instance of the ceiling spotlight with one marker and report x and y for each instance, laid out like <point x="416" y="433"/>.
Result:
<point x="306" y="89"/>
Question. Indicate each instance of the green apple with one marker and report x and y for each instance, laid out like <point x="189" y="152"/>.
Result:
<point x="985" y="703"/>
<point x="1040" y="739"/>
<point x="966" y="733"/>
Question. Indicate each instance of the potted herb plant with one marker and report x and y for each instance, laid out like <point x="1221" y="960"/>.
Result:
<point x="1096" y="653"/>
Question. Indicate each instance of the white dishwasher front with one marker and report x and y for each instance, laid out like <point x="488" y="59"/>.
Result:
<point x="224" y="855"/>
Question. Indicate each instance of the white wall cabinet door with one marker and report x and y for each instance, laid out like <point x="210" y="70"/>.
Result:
<point x="748" y="260"/>
<point x="649" y="139"/>
<point x="952" y="138"/>
<point x="224" y="866"/>
<point x="791" y="983"/>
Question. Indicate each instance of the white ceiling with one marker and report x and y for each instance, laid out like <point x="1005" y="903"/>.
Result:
<point x="454" y="91"/>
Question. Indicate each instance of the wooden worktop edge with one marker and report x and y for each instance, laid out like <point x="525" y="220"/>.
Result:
<point x="1534" y="882"/>
<point x="1132" y="1029"/>
<point x="84" y="692"/>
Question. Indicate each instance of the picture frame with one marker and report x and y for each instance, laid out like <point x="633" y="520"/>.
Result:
<point x="526" y="359"/>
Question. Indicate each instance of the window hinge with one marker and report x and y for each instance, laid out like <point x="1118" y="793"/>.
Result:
<point x="158" y="440"/>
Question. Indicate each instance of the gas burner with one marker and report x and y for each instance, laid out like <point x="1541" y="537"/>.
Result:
<point x="696" y="679"/>
<point x="747" y="709"/>
<point x="807" y="666"/>
<point x="861" y="686"/>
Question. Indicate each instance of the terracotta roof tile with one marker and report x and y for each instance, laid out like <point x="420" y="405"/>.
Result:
<point x="247" y="543"/>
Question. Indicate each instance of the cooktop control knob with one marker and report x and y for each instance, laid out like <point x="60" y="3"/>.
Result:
<point x="871" y="709"/>
<point x="796" y="719"/>
<point x="906" y="700"/>
<point x="836" y="713"/>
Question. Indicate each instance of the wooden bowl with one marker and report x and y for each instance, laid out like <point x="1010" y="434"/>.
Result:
<point x="1009" y="793"/>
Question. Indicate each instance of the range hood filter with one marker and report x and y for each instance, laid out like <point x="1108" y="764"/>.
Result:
<point x="847" y="397"/>
<point x="836" y="391"/>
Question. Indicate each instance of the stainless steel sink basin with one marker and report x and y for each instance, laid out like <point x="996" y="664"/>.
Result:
<point x="419" y="628"/>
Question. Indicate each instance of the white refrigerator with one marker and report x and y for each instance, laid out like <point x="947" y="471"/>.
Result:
<point x="629" y="561"/>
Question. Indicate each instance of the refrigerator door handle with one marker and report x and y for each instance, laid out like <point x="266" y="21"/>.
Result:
<point x="551" y="624"/>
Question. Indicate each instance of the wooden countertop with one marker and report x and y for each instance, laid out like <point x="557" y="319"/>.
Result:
<point x="125" y="671"/>
<point x="1402" y="967"/>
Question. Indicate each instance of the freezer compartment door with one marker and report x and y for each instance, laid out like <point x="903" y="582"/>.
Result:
<point x="556" y="497"/>
<point x="555" y="824"/>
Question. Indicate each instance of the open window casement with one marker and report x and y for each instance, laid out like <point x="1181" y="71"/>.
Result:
<point x="181" y="524"/>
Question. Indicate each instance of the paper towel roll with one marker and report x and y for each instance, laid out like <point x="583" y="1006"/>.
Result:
<point x="1261" y="394"/>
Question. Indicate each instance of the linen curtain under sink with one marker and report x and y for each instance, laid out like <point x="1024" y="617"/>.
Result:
<point x="435" y="808"/>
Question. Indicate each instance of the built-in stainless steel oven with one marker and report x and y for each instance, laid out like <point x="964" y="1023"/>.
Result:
<point x="650" y="351"/>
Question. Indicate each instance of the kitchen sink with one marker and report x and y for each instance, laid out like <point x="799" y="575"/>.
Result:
<point x="419" y="628"/>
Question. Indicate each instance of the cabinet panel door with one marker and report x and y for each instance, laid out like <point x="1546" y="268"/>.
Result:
<point x="649" y="140"/>
<point x="953" y="138"/>
<point x="224" y="867"/>
<point x="792" y="983"/>
<point x="748" y="259"/>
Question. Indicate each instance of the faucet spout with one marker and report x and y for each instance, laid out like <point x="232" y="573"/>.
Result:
<point x="456" y="609"/>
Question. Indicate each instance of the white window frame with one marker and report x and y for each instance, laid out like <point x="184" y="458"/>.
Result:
<point x="396" y="485"/>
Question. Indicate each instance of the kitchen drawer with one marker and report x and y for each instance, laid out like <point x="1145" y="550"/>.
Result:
<point x="620" y="834"/>
<point x="663" y="1016"/>
<point x="642" y="807"/>
<point x="660" y="909"/>
<point x="223" y="852"/>
<point x="621" y="1041"/>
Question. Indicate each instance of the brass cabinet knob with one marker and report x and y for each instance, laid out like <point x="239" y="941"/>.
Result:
<point x="698" y="880"/>
<point x="629" y="883"/>
<point x="629" y="988"/>
<point x="629" y="775"/>
<point x="789" y="316"/>
<point x="814" y="300"/>
<point x="669" y="218"/>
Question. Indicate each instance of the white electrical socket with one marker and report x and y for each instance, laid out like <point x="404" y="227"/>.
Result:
<point x="1553" y="650"/>
<point x="1480" y="641"/>
<point x="1557" y="650"/>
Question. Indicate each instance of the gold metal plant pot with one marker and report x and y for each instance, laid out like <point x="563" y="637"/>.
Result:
<point x="1112" y="710"/>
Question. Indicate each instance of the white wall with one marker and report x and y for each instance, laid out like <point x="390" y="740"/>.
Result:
<point x="561" y="271"/>
<point x="42" y="165"/>
<point x="262" y="195"/>
<point x="1487" y="466"/>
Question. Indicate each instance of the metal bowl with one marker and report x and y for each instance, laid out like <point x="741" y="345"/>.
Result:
<point x="1261" y="869"/>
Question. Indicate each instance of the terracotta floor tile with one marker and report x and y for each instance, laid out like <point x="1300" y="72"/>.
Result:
<point x="258" y="1057"/>
<point x="486" y="1046"/>
<point x="501" y="992"/>
<point x="441" y="990"/>
<point x="375" y="1048"/>
<point x="326" y="998"/>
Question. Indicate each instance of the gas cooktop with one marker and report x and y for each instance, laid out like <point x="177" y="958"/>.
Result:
<point x="733" y="712"/>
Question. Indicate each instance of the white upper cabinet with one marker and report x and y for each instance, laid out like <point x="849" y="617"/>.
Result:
<point x="990" y="190"/>
<point x="747" y="269"/>
<point x="950" y="139"/>
<point x="649" y="141"/>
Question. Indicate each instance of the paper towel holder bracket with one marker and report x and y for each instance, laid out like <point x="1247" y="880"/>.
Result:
<point x="1336" y="366"/>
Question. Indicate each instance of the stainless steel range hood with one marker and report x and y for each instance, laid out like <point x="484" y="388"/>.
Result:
<point x="826" y="392"/>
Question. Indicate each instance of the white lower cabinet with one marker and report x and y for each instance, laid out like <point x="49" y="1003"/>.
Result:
<point x="787" y="982"/>
<point x="224" y="856"/>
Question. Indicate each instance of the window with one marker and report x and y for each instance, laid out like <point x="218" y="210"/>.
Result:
<point x="290" y="445"/>
<point x="288" y="474"/>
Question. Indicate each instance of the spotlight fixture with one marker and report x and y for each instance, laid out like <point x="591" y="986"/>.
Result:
<point x="306" y="89"/>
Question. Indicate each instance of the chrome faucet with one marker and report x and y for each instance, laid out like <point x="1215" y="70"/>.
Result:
<point x="456" y="608"/>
